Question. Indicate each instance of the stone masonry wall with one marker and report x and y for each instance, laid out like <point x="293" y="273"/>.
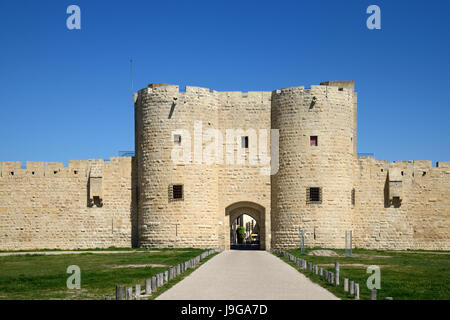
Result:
<point x="325" y="112"/>
<point x="126" y="201"/>
<point x="245" y="186"/>
<point x="46" y="205"/>
<point x="162" y="111"/>
<point x="421" y="220"/>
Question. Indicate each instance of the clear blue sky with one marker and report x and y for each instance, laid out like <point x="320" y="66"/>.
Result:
<point x="65" y="94"/>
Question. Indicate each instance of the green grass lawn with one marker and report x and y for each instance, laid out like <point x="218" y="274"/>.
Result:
<point x="417" y="275"/>
<point x="44" y="276"/>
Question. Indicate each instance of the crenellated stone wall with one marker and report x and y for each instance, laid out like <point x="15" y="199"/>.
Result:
<point x="129" y="201"/>
<point x="49" y="206"/>
<point x="418" y="219"/>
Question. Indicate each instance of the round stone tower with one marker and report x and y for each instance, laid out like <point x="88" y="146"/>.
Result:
<point x="312" y="190"/>
<point x="177" y="194"/>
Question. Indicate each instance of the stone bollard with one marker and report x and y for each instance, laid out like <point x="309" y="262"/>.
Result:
<point x="148" y="287"/>
<point x="158" y="280"/>
<point x="161" y="279"/>
<point x="373" y="294"/>
<point x="356" y="291"/>
<point x="346" y="284"/>
<point x="331" y="277"/>
<point x="137" y="294"/>
<point x="389" y="298"/>
<point x="352" y="287"/>
<point x="166" y="277"/>
<point x="128" y="293"/>
<point x="309" y="266"/>
<point x="178" y="269"/>
<point x="336" y="273"/>
<point x="321" y="272"/>
<point x="108" y="298"/>
<point x="154" y="286"/>
<point x="119" y="293"/>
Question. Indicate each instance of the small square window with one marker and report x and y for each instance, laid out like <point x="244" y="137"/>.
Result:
<point x="177" y="139"/>
<point x="314" y="195"/>
<point x="176" y="192"/>
<point x="313" y="141"/>
<point x="244" y="142"/>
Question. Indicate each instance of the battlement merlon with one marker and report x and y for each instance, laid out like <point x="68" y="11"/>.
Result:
<point x="169" y="92"/>
<point x="76" y="168"/>
<point x="169" y="89"/>
<point x="349" y="85"/>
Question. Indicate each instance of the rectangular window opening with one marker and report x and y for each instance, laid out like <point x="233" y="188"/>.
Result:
<point x="314" y="195"/>
<point x="177" y="139"/>
<point x="244" y="142"/>
<point x="313" y="141"/>
<point x="176" y="192"/>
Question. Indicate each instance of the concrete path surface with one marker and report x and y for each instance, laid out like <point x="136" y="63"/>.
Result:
<point x="246" y="275"/>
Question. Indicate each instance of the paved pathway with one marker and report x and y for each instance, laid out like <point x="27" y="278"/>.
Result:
<point x="246" y="275"/>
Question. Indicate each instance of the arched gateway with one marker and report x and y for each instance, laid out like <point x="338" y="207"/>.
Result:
<point x="254" y="210"/>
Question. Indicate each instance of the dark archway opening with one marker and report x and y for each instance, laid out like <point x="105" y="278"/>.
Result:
<point x="245" y="233"/>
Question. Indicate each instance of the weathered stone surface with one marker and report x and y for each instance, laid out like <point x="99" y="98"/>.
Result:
<point x="154" y="284"/>
<point x="373" y="294"/>
<point x="148" y="286"/>
<point x="137" y="294"/>
<point x="49" y="206"/>
<point x="356" y="291"/>
<point x="323" y="253"/>
<point x="119" y="292"/>
<point x="345" y="284"/>
<point x="128" y="293"/>
<point x="93" y="203"/>
<point x="336" y="273"/>
<point x="166" y="277"/>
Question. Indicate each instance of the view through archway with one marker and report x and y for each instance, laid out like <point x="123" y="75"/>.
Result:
<point x="254" y="222"/>
<point x="244" y="233"/>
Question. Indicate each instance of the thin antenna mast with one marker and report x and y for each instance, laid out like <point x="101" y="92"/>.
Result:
<point x="131" y="76"/>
